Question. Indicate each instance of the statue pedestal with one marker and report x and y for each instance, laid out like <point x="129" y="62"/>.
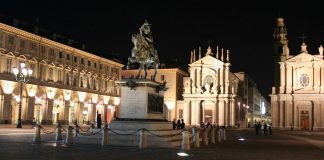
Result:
<point x="142" y="106"/>
<point x="141" y="100"/>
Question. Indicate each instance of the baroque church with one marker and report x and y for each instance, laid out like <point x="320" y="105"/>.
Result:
<point x="297" y="98"/>
<point x="210" y="93"/>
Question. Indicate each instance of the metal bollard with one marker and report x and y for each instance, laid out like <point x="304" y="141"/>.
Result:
<point x="37" y="135"/>
<point x="143" y="139"/>
<point x="212" y="136"/>
<point x="224" y="134"/>
<point x="69" y="135"/>
<point x="205" y="137"/>
<point x="185" y="144"/>
<point x="197" y="139"/>
<point x="105" y="136"/>
<point x="59" y="136"/>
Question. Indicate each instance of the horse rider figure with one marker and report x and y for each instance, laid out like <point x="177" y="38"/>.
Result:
<point x="143" y="51"/>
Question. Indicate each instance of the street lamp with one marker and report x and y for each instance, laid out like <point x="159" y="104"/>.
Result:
<point x="239" y="112"/>
<point x="22" y="75"/>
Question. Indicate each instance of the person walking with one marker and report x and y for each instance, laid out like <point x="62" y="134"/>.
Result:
<point x="182" y="124"/>
<point x="174" y="124"/>
<point x="178" y="124"/>
<point x="265" y="129"/>
<point x="99" y="121"/>
<point x="270" y="129"/>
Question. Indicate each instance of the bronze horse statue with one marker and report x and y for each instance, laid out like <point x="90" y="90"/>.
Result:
<point x="143" y="51"/>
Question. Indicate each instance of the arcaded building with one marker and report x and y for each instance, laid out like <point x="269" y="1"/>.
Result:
<point x="67" y="84"/>
<point x="297" y="98"/>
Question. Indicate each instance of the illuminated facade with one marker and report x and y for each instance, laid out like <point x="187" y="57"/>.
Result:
<point x="211" y="91"/>
<point x="174" y="82"/>
<point x="67" y="84"/>
<point x="297" y="98"/>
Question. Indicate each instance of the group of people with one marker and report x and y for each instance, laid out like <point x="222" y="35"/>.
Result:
<point x="178" y="124"/>
<point x="259" y="128"/>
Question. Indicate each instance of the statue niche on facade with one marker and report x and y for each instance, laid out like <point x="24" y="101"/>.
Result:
<point x="143" y="51"/>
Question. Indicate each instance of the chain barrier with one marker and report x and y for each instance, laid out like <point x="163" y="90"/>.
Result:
<point x="46" y="131"/>
<point x="91" y="134"/>
<point x="125" y="134"/>
<point x="88" y="129"/>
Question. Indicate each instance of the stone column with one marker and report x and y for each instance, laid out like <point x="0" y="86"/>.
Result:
<point x="281" y="113"/>
<point x="317" y="115"/>
<point x="199" y="77"/>
<point x="295" y="79"/>
<point x="64" y="119"/>
<point x="289" y="79"/>
<point x="317" y="74"/>
<point x="198" y="113"/>
<point x="322" y="80"/>
<point x="227" y="88"/>
<point x="29" y="111"/>
<point x="296" y="116"/>
<point x="226" y="113"/>
<point x="48" y="112"/>
<point x="282" y="78"/>
<point x="274" y="114"/>
<point x="193" y="77"/>
<point x="92" y="113"/>
<point x="215" y="114"/>
<point x="232" y="113"/>
<point x="186" y="112"/>
<point x="221" y="113"/>
<point x="288" y="114"/>
<point x="322" y="114"/>
<point x="221" y="79"/>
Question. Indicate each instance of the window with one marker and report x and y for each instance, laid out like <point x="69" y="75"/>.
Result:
<point x="162" y="77"/>
<point x="11" y="39"/>
<point x="32" y="67"/>
<point x="51" y="53"/>
<point x="43" y="50"/>
<point x="75" y="59"/>
<point x="50" y="74"/>
<point x="59" y="76"/>
<point x="67" y="80"/>
<point x="100" y="66"/>
<point x="75" y="78"/>
<point x="94" y="84"/>
<point x="60" y="54"/>
<point x="9" y="63"/>
<point x="33" y="46"/>
<point x="95" y="65"/>
<point x="67" y="56"/>
<point x="82" y="61"/>
<point x="89" y="63"/>
<point x="22" y="44"/>
<point x="42" y="72"/>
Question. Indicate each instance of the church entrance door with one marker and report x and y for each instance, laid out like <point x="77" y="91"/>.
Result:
<point x="304" y="120"/>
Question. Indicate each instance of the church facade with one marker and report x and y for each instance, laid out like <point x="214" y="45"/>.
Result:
<point x="297" y="98"/>
<point x="210" y="93"/>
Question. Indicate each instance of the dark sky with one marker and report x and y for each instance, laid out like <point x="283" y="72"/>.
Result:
<point x="243" y="27"/>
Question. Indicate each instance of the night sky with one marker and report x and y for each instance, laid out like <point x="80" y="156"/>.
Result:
<point x="243" y="27"/>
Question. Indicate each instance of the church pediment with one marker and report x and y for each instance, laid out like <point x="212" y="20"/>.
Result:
<point x="207" y="60"/>
<point x="304" y="57"/>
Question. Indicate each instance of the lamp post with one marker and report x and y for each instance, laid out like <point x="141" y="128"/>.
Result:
<point x="239" y="114"/>
<point x="246" y="115"/>
<point x="22" y="75"/>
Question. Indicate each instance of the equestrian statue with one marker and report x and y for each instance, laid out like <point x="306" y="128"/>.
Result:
<point x="143" y="51"/>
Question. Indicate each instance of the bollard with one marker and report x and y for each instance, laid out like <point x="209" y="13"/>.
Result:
<point x="219" y="137"/>
<point x="197" y="139"/>
<point x="205" y="137"/>
<point x="69" y="135"/>
<point x="59" y="136"/>
<point x="76" y="131"/>
<point x="212" y="136"/>
<point x="105" y="136"/>
<point x="143" y="139"/>
<point x="224" y="134"/>
<point x="37" y="135"/>
<point x="185" y="144"/>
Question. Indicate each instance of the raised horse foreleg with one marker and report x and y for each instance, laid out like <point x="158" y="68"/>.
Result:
<point x="145" y="71"/>
<point x="155" y="70"/>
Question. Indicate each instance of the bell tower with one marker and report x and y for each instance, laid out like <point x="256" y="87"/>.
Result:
<point x="280" y="48"/>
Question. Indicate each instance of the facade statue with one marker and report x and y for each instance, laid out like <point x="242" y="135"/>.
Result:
<point x="143" y="51"/>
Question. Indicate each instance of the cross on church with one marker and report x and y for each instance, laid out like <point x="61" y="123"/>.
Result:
<point x="303" y="37"/>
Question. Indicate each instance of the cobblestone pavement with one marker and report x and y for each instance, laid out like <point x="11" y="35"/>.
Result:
<point x="17" y="144"/>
